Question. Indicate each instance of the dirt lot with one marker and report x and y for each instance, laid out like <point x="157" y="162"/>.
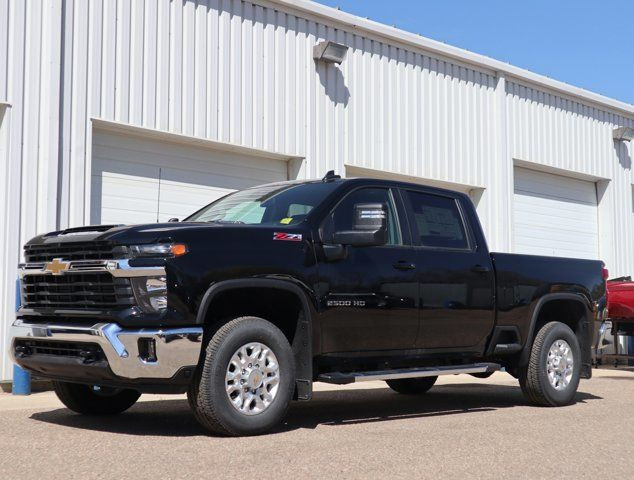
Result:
<point x="464" y="428"/>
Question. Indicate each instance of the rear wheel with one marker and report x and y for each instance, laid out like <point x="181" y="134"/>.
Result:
<point x="246" y="380"/>
<point x="94" y="400"/>
<point x="412" y="386"/>
<point x="552" y="375"/>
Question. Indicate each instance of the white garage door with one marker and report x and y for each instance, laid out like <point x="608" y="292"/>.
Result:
<point x="555" y="215"/>
<point x="140" y="180"/>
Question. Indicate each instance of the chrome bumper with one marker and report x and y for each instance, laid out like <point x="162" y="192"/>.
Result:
<point x="175" y="347"/>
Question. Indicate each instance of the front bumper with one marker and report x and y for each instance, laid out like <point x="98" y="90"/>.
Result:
<point x="175" y="349"/>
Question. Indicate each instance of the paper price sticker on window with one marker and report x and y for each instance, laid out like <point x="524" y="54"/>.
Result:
<point x="371" y="214"/>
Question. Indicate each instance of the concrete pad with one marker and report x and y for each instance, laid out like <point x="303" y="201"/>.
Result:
<point x="463" y="428"/>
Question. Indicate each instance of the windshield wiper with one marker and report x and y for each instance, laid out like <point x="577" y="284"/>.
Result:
<point x="233" y="222"/>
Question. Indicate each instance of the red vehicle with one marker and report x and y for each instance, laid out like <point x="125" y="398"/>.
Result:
<point x="621" y="299"/>
<point x="619" y="322"/>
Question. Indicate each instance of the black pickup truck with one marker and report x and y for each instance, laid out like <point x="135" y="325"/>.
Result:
<point x="247" y="302"/>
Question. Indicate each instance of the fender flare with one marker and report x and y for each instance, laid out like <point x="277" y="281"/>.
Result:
<point x="303" y="340"/>
<point x="534" y="314"/>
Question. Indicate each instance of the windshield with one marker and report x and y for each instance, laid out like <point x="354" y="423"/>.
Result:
<point x="280" y="204"/>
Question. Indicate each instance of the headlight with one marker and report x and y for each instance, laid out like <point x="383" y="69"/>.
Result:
<point x="150" y="293"/>
<point x="159" y="250"/>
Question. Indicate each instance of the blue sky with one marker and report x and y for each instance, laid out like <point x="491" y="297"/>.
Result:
<point x="586" y="43"/>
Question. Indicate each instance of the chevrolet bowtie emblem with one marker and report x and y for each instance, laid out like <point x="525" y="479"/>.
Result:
<point x="56" y="267"/>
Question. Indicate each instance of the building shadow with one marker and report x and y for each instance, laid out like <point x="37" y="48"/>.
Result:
<point x="331" y="78"/>
<point x="623" y="154"/>
<point x="172" y="418"/>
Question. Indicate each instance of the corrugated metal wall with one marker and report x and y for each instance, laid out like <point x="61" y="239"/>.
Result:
<point x="242" y="73"/>
<point x="549" y="130"/>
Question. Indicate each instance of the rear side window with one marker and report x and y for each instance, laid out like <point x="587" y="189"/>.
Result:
<point x="437" y="221"/>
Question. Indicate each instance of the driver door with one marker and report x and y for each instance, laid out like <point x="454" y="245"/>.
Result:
<point x="370" y="297"/>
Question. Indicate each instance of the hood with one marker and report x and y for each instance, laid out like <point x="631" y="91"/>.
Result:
<point x="145" y="233"/>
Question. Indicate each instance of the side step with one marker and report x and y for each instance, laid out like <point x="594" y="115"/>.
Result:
<point x="340" y="378"/>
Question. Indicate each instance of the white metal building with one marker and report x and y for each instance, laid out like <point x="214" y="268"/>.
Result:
<point x="115" y="111"/>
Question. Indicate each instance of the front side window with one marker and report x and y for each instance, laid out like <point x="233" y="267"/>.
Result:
<point x="342" y="216"/>
<point x="437" y="221"/>
<point x="276" y="204"/>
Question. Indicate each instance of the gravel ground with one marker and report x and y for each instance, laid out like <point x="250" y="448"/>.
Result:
<point x="463" y="428"/>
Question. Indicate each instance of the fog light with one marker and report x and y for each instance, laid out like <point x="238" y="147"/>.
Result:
<point x="147" y="350"/>
<point x="150" y="293"/>
<point x="158" y="303"/>
<point x="156" y="285"/>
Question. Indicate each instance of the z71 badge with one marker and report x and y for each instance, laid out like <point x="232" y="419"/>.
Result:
<point x="288" y="237"/>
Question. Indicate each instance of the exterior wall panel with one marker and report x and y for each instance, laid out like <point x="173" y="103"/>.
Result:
<point x="573" y="138"/>
<point x="242" y="72"/>
<point x="7" y="272"/>
<point x="11" y="188"/>
<point x="4" y="49"/>
<point x="265" y="78"/>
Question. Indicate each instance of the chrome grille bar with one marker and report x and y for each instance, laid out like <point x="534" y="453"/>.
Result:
<point x="117" y="268"/>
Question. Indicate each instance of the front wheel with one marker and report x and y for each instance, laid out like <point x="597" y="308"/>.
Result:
<point x="552" y="375"/>
<point x="246" y="380"/>
<point x="94" y="400"/>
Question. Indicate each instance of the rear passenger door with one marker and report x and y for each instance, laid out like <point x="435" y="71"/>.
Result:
<point x="455" y="273"/>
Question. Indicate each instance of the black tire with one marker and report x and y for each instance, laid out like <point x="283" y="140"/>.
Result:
<point x="412" y="386"/>
<point x="534" y="380"/>
<point x="87" y="400"/>
<point x="207" y="393"/>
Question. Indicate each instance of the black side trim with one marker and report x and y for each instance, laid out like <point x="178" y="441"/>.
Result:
<point x="506" y="347"/>
<point x="302" y="342"/>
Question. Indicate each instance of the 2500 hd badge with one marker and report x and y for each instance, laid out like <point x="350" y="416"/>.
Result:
<point x="213" y="307"/>
<point x="345" y="303"/>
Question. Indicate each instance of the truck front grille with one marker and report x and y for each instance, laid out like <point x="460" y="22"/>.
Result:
<point x="72" y="251"/>
<point x="82" y="291"/>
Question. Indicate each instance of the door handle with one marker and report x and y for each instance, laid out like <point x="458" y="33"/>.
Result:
<point x="480" y="269"/>
<point x="403" y="265"/>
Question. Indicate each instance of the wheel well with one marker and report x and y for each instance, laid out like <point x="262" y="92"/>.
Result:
<point x="280" y="307"/>
<point x="569" y="312"/>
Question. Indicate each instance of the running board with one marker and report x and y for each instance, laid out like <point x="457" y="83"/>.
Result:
<point x="340" y="378"/>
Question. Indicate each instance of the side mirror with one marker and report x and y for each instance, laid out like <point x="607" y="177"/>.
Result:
<point x="369" y="227"/>
<point x="173" y="220"/>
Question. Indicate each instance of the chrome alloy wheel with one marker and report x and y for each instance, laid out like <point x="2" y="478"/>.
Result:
<point x="560" y="364"/>
<point x="253" y="378"/>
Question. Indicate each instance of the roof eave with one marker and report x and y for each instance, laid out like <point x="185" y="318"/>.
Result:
<point x="366" y="26"/>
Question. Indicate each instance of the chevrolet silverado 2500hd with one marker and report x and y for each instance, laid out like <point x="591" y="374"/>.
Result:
<point x="250" y="300"/>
